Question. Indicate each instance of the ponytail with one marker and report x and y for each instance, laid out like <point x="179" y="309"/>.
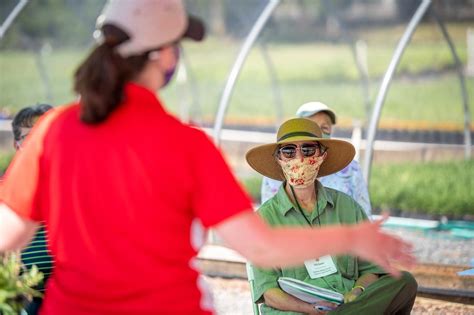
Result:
<point x="101" y="78"/>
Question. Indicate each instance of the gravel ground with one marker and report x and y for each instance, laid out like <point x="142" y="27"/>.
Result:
<point x="438" y="247"/>
<point x="232" y="297"/>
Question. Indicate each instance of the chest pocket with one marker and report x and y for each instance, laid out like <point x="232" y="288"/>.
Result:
<point x="348" y="267"/>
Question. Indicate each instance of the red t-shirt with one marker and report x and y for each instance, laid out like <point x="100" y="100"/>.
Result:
<point x="121" y="200"/>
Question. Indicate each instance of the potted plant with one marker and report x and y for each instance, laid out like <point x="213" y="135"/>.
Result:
<point x="16" y="283"/>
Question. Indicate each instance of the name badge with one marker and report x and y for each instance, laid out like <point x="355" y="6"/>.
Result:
<point x="321" y="267"/>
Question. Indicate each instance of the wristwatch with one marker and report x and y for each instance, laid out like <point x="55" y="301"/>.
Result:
<point x="323" y="307"/>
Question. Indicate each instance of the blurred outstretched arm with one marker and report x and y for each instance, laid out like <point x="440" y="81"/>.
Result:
<point x="15" y="231"/>
<point x="282" y="247"/>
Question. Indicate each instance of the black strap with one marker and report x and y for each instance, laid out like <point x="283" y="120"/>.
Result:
<point x="301" y="210"/>
<point x="296" y="134"/>
<point x="319" y="222"/>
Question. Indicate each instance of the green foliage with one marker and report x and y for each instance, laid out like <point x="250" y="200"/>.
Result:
<point x="59" y="22"/>
<point x="5" y="159"/>
<point x="431" y="188"/>
<point x="25" y="88"/>
<point x="16" y="284"/>
<point x="252" y="185"/>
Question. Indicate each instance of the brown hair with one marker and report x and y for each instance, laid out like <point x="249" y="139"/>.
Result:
<point x="100" y="79"/>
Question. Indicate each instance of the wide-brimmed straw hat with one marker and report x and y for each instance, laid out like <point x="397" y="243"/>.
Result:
<point x="262" y="158"/>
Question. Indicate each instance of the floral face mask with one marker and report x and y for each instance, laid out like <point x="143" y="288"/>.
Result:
<point x="302" y="173"/>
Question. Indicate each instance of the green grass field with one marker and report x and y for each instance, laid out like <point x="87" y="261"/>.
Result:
<point x="307" y="71"/>
<point x="434" y="188"/>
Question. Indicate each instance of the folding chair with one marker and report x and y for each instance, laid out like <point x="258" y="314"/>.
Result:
<point x="251" y="279"/>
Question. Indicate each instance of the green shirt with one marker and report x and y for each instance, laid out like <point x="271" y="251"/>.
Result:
<point x="334" y="208"/>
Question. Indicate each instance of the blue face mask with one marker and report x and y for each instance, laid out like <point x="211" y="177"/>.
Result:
<point x="326" y="135"/>
<point x="168" y="76"/>
<point x="170" y="72"/>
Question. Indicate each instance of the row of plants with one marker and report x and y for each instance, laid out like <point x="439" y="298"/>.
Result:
<point x="433" y="189"/>
<point x="436" y="189"/>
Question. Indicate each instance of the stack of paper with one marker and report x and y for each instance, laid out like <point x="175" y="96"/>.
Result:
<point x="309" y="293"/>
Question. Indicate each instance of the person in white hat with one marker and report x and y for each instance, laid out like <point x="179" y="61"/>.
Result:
<point x="349" y="180"/>
<point x="301" y="154"/>
<point x="125" y="188"/>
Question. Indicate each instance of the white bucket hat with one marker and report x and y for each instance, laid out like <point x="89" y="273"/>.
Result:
<point x="150" y="24"/>
<point x="312" y="108"/>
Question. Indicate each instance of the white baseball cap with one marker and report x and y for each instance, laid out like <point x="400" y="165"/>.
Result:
<point x="150" y="24"/>
<point x="312" y="108"/>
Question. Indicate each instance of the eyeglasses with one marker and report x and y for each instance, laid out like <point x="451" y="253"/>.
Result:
<point x="20" y="140"/>
<point x="307" y="149"/>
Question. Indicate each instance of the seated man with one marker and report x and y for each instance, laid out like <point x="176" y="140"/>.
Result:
<point x="36" y="253"/>
<point x="349" y="180"/>
<point x="299" y="156"/>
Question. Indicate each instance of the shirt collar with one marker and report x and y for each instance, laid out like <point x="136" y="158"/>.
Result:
<point x="323" y="196"/>
<point x="285" y="205"/>
<point x="283" y="201"/>
<point x="140" y="95"/>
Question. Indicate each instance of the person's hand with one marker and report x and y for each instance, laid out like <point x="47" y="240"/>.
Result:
<point x="322" y="307"/>
<point x="352" y="295"/>
<point x="387" y="251"/>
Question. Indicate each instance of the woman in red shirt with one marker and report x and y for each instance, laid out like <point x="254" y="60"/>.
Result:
<point x="127" y="190"/>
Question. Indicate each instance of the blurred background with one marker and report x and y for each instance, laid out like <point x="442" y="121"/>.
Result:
<point x="336" y="52"/>
<point x="332" y="51"/>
